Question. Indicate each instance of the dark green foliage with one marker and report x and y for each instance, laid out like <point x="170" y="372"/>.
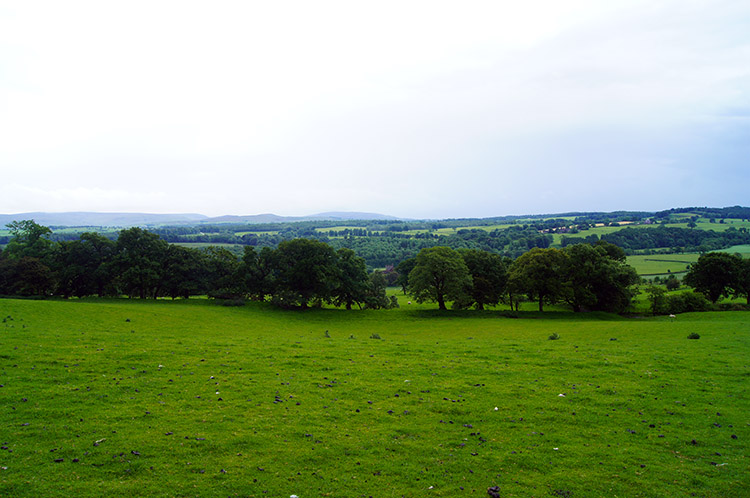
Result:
<point x="742" y="284"/>
<point x="657" y="298"/>
<point x="353" y="282"/>
<point x="439" y="275"/>
<point x="597" y="278"/>
<point x="257" y="270"/>
<point x="82" y="267"/>
<point x="375" y="296"/>
<point x="539" y="273"/>
<point x="30" y="240"/>
<point x="489" y="276"/>
<point x="138" y="262"/>
<point x="694" y="335"/>
<point x="672" y="283"/>
<point x="305" y="270"/>
<point x="715" y="274"/>
<point x="225" y="280"/>
<point x="685" y="302"/>
<point x="25" y="276"/>
<point x="186" y="272"/>
<point x="686" y="238"/>
<point x="403" y="269"/>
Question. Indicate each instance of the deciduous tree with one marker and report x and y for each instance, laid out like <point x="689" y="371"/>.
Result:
<point x="715" y="274"/>
<point x="439" y="275"/>
<point x="539" y="273"/>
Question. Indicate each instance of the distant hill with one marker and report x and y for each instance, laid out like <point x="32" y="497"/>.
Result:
<point x="274" y="218"/>
<point x="90" y="219"/>
<point x="87" y="219"/>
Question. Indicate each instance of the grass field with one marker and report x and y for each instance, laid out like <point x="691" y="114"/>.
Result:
<point x="662" y="264"/>
<point x="743" y="249"/>
<point x="188" y="398"/>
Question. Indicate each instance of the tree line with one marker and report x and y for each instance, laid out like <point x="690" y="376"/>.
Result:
<point x="306" y="272"/>
<point x="299" y="272"/>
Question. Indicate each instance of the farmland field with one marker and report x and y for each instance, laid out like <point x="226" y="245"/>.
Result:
<point x="662" y="264"/>
<point x="188" y="398"/>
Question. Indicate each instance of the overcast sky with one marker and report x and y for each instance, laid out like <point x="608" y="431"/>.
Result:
<point x="421" y="109"/>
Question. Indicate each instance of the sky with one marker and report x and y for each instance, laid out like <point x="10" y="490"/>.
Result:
<point x="417" y="109"/>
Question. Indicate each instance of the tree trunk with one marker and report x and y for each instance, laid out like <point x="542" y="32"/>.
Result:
<point x="441" y="302"/>
<point x="541" y="303"/>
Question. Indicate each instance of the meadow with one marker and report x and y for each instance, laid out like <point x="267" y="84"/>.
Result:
<point x="189" y="398"/>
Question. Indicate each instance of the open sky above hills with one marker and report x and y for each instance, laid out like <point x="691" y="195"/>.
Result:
<point x="414" y="109"/>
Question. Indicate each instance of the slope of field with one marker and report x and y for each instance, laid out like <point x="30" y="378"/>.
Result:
<point x="132" y="398"/>
<point x="662" y="264"/>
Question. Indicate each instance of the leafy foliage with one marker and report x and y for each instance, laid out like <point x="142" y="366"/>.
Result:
<point x="440" y="274"/>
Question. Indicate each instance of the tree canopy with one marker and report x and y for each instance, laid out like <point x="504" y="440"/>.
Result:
<point x="440" y="274"/>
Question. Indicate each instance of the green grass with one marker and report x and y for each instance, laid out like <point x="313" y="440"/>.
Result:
<point x="189" y="398"/>
<point x="743" y="249"/>
<point x="662" y="264"/>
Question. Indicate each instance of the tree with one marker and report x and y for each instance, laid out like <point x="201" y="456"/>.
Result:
<point x="597" y="277"/>
<point x="82" y="266"/>
<point x="489" y="276"/>
<point x="404" y="268"/>
<point x="257" y="269"/>
<point x="539" y="274"/>
<point x="139" y="262"/>
<point x="29" y="240"/>
<point x="440" y="274"/>
<point x="306" y="270"/>
<point x="28" y="277"/>
<point x="742" y="286"/>
<point x="376" y="297"/>
<point x="671" y="283"/>
<point x="715" y="274"/>
<point x="657" y="298"/>
<point x="224" y="274"/>
<point x="185" y="272"/>
<point x="353" y="280"/>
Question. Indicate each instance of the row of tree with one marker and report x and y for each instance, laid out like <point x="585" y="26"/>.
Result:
<point x="139" y="263"/>
<point x="585" y="276"/>
<point x="303" y="272"/>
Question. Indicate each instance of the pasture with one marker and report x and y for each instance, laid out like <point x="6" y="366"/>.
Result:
<point x="662" y="264"/>
<point x="189" y="398"/>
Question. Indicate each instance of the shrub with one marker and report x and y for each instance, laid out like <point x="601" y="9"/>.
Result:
<point x="554" y="336"/>
<point x="693" y="335"/>
<point x="688" y="301"/>
<point x="672" y="283"/>
<point x="375" y="336"/>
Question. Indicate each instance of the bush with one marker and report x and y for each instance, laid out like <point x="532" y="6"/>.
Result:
<point x="693" y="335"/>
<point x="555" y="336"/>
<point x="688" y="301"/>
<point x="672" y="283"/>
<point x="375" y="336"/>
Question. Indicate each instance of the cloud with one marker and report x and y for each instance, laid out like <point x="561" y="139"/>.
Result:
<point x="414" y="108"/>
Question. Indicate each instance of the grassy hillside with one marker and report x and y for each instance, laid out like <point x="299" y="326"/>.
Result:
<point x="133" y="398"/>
